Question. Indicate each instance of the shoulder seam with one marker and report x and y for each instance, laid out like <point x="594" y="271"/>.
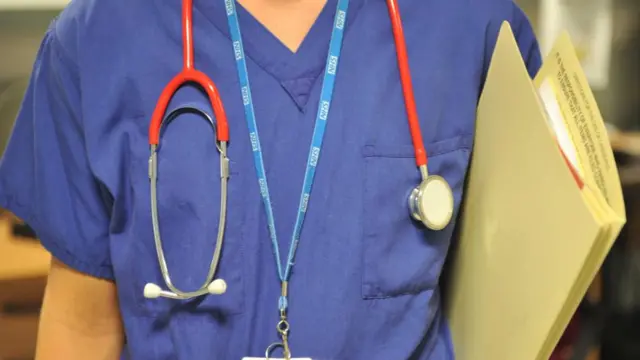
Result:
<point x="62" y="52"/>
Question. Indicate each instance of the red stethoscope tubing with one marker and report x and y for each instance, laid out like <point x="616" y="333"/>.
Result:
<point x="188" y="75"/>
<point x="405" y="79"/>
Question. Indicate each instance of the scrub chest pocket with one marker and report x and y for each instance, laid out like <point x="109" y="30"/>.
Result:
<point x="399" y="255"/>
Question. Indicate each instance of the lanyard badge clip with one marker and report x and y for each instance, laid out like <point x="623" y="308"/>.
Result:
<point x="282" y="327"/>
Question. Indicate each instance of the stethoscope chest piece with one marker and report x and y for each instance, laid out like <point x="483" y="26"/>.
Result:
<point x="431" y="202"/>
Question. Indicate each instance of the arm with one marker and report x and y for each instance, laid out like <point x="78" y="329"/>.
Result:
<point x="80" y="318"/>
<point x="46" y="179"/>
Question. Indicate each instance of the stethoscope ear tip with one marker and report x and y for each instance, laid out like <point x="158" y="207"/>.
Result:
<point x="152" y="291"/>
<point x="217" y="287"/>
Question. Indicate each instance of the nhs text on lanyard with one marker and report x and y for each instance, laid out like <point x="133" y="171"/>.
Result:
<point x="328" y="83"/>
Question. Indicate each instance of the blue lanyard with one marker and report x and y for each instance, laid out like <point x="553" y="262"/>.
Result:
<point x="326" y="94"/>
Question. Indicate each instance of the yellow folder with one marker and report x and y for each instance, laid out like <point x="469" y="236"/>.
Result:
<point x="542" y="208"/>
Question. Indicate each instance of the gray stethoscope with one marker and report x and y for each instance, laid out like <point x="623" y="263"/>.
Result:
<point x="210" y="286"/>
<point x="431" y="202"/>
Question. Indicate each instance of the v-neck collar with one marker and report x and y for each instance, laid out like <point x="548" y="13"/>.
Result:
<point x="296" y="71"/>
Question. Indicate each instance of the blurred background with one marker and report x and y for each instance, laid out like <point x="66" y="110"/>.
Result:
<point x="607" y="36"/>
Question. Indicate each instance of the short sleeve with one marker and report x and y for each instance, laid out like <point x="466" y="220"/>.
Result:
<point x="45" y="176"/>
<point x="525" y="37"/>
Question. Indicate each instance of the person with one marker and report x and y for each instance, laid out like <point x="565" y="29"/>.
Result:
<point x="365" y="284"/>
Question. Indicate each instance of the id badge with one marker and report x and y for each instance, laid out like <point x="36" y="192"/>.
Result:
<point x="272" y="358"/>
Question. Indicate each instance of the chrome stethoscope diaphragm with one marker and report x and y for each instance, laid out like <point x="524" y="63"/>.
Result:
<point x="431" y="202"/>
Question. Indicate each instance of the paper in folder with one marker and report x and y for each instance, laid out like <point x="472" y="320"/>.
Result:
<point x="543" y="206"/>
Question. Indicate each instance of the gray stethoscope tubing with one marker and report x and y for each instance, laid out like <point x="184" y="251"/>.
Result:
<point x="210" y="286"/>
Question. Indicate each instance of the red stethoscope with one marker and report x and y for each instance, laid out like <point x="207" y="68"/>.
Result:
<point x="431" y="202"/>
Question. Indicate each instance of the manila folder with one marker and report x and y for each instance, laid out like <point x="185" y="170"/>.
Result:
<point x="527" y="227"/>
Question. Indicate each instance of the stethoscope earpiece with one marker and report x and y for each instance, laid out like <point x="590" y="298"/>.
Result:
<point x="431" y="202"/>
<point x="216" y="287"/>
<point x="152" y="291"/>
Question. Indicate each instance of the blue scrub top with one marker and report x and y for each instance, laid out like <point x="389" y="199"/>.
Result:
<point x="365" y="285"/>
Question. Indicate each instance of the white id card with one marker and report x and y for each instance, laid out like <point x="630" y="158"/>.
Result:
<point x="273" y="358"/>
